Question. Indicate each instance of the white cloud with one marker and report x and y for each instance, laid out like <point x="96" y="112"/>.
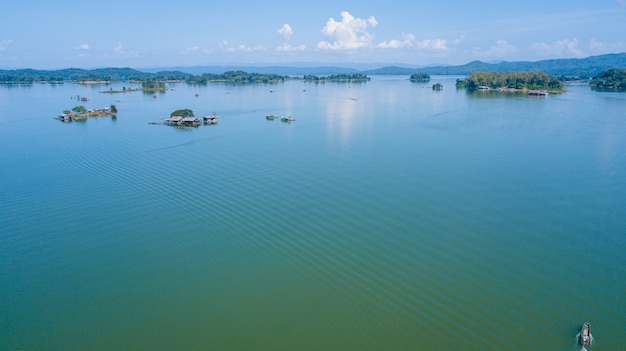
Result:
<point x="119" y="48"/>
<point x="560" y="48"/>
<point x="406" y="41"/>
<point x="597" y="47"/>
<point x="4" y="44"/>
<point x="83" y="47"/>
<point x="433" y="44"/>
<point x="244" y="48"/>
<point x="501" y="50"/>
<point x="348" y="34"/>
<point x="285" y="31"/>
<point x="287" y="47"/>
<point x="191" y="50"/>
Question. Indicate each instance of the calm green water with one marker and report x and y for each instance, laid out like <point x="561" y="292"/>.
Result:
<point x="386" y="217"/>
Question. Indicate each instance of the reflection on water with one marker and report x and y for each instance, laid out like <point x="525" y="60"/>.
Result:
<point x="340" y="116"/>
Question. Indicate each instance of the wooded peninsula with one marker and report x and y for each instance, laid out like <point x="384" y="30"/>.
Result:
<point x="612" y="79"/>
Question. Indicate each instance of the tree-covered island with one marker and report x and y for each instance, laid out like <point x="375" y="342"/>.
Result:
<point x="236" y="77"/>
<point x="355" y="77"/>
<point x="612" y="79"/>
<point x="419" y="77"/>
<point x="512" y="81"/>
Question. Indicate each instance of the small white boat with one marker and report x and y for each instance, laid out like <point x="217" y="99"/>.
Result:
<point x="584" y="337"/>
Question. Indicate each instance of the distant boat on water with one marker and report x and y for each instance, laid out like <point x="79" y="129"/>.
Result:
<point x="210" y="119"/>
<point x="584" y="337"/>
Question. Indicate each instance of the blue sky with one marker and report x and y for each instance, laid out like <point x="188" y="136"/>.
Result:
<point x="114" y="33"/>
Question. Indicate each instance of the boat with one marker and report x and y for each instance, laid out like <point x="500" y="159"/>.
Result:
<point x="270" y="117"/>
<point x="584" y="337"/>
<point x="538" y="92"/>
<point x="287" y="119"/>
<point x="210" y="119"/>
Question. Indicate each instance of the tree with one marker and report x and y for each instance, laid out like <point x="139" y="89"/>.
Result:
<point x="182" y="113"/>
<point x="79" y="109"/>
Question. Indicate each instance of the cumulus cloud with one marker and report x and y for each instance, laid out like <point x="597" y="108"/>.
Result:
<point x="559" y="48"/>
<point x="83" y="47"/>
<point x="285" y="31"/>
<point x="348" y="34"/>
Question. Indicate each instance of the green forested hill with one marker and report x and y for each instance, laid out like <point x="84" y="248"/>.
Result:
<point x="584" y="67"/>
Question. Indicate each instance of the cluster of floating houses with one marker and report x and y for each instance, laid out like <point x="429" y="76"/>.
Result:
<point x="190" y="121"/>
<point x="96" y="112"/>
<point x="513" y="90"/>
<point x="171" y="121"/>
<point x="180" y="121"/>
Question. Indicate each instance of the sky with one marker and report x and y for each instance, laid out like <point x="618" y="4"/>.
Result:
<point x="414" y="33"/>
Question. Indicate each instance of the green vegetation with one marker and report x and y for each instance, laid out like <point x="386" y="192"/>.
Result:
<point x="511" y="80"/>
<point x="612" y="79"/>
<point x="236" y="77"/>
<point x="354" y="77"/>
<point x="182" y="113"/>
<point x="79" y="109"/>
<point x="153" y="85"/>
<point x="419" y="77"/>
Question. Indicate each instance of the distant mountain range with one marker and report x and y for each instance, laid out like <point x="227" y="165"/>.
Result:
<point x="583" y="68"/>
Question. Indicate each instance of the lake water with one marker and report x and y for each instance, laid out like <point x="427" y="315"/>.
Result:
<point x="386" y="217"/>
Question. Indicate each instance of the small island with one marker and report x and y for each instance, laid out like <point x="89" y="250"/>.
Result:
<point x="186" y="118"/>
<point x="80" y="112"/>
<point x="533" y="83"/>
<point x="147" y="85"/>
<point x="419" y="77"/>
<point x="613" y="79"/>
<point x="355" y="77"/>
<point x="235" y="77"/>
